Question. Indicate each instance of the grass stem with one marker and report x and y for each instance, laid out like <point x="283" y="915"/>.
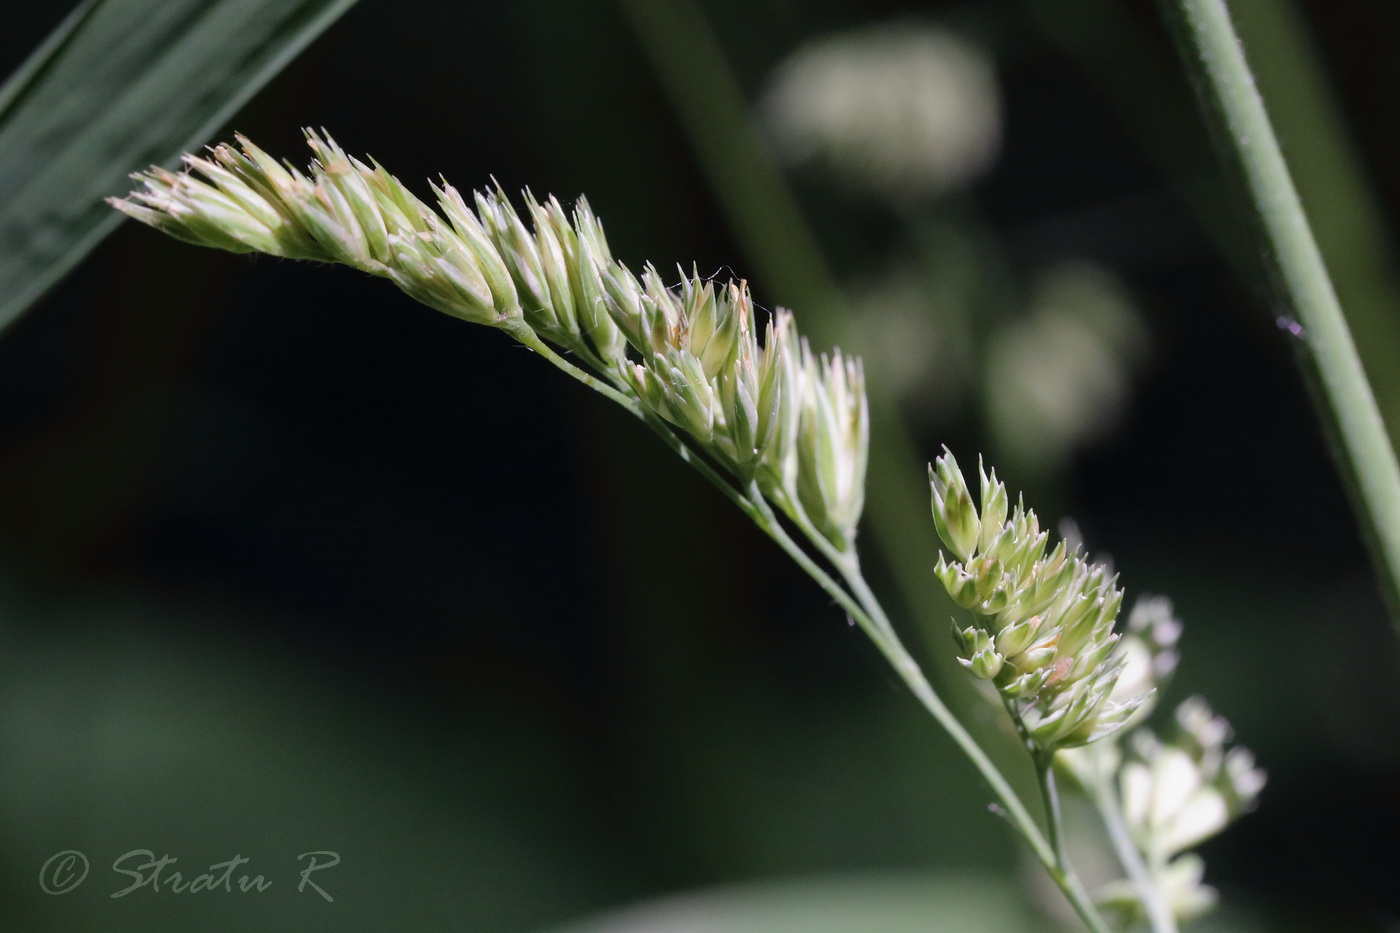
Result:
<point x="864" y="609"/>
<point x="1159" y="915"/>
<point x="1215" y="58"/>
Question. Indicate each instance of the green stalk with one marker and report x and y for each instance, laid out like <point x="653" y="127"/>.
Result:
<point x="1215" y="58"/>
<point x="1059" y="866"/>
<point x="752" y="506"/>
<point x="1063" y="872"/>
<point x="1050" y="854"/>
<point x="1111" y="47"/>
<point x="1159" y="914"/>
<point x="1351" y="229"/>
<point x="1050" y="794"/>
<point x="526" y="335"/>
<point x="865" y="610"/>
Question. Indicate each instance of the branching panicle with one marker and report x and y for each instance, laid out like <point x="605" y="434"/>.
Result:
<point x="776" y="427"/>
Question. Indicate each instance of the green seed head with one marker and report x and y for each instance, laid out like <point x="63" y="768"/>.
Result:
<point x="1053" y="614"/>
<point x="794" y="422"/>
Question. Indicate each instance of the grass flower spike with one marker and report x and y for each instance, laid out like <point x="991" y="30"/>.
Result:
<point x="780" y="430"/>
<point x="772" y="413"/>
<point x="1043" y="632"/>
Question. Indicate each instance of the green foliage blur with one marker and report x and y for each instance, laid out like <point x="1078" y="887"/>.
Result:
<point x="290" y="564"/>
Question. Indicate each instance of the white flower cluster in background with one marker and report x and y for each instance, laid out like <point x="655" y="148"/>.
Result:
<point x="1060" y="376"/>
<point x="1173" y="793"/>
<point x="1177" y="792"/>
<point x="901" y="111"/>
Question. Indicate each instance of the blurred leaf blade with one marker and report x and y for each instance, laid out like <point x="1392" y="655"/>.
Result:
<point x="889" y="902"/>
<point x="49" y="51"/>
<point x="120" y="85"/>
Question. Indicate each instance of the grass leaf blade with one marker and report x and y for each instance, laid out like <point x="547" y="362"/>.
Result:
<point x="122" y="84"/>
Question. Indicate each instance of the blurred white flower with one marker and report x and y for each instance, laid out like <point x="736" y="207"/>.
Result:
<point x="915" y="333"/>
<point x="1060" y="376"/>
<point x="899" y="111"/>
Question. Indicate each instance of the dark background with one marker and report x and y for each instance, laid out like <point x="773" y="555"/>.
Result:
<point x="289" y="563"/>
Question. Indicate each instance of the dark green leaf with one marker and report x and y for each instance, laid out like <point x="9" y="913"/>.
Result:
<point x="891" y="903"/>
<point x="122" y="84"/>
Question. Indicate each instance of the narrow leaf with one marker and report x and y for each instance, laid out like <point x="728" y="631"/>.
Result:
<point x="118" y="86"/>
